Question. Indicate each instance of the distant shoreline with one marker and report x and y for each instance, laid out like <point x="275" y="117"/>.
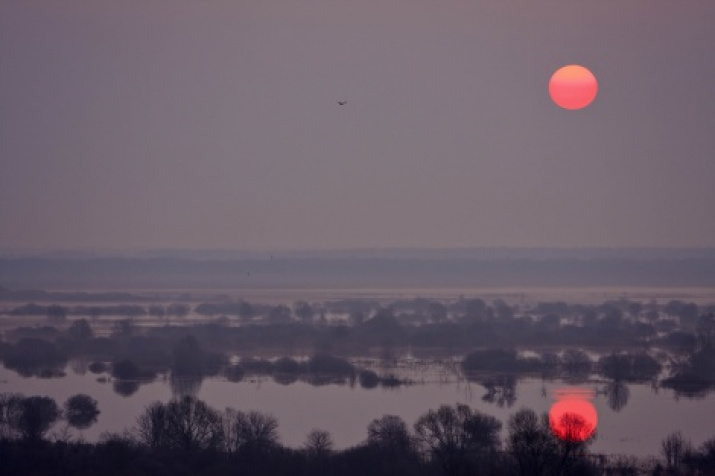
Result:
<point x="356" y="273"/>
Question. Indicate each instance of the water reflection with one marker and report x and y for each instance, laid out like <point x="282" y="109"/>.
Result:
<point x="185" y="386"/>
<point x="31" y="358"/>
<point x="617" y="395"/>
<point x="688" y="386"/>
<point x="501" y="389"/>
<point x="285" y="378"/>
<point x="234" y="373"/>
<point x="346" y="411"/>
<point x="320" y="379"/>
<point x="125" y="388"/>
<point x="79" y="365"/>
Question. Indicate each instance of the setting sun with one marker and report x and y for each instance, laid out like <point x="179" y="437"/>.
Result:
<point x="573" y="87"/>
<point x="573" y="417"/>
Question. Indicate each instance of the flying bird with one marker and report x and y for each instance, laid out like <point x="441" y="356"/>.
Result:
<point x="342" y="103"/>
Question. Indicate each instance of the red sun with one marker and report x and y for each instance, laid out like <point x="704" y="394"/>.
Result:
<point x="573" y="418"/>
<point x="573" y="87"/>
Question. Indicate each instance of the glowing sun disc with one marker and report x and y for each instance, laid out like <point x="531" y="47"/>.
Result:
<point x="573" y="87"/>
<point x="573" y="418"/>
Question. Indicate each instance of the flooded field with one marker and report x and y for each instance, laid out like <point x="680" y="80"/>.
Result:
<point x="411" y="374"/>
<point x="345" y="410"/>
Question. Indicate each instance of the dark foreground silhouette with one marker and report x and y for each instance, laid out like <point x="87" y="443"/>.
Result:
<point x="187" y="437"/>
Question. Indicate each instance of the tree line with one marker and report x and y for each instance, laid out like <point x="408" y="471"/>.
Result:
<point x="187" y="436"/>
<point x="133" y="354"/>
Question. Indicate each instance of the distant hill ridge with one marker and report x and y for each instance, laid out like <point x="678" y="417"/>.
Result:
<point x="588" y="269"/>
<point x="40" y="295"/>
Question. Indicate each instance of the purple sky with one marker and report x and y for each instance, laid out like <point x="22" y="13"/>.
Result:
<point x="214" y="124"/>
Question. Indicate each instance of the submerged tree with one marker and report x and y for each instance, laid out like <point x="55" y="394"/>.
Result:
<point x="81" y="411"/>
<point x="31" y="356"/>
<point x="187" y="357"/>
<point x="576" y="365"/>
<point x="56" y="313"/>
<point x="80" y="330"/>
<point x="304" y="311"/>
<point x="501" y="389"/>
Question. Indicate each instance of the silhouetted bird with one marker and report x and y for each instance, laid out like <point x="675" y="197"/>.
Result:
<point x="342" y="103"/>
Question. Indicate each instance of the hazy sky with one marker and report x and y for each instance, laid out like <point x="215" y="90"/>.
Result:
<point x="214" y="124"/>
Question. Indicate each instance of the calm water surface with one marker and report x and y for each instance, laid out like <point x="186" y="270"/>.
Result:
<point x="345" y="411"/>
